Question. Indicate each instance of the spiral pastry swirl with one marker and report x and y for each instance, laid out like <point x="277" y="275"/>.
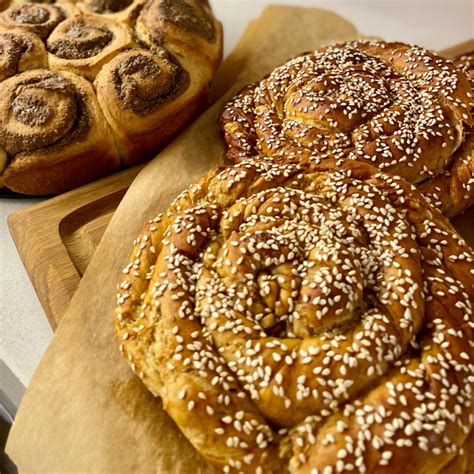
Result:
<point x="186" y="27"/>
<point x="46" y="116"/>
<point x="317" y="315"/>
<point x="20" y="51"/>
<point x="84" y="43"/>
<point x="37" y="18"/>
<point x="400" y="107"/>
<point x="139" y="88"/>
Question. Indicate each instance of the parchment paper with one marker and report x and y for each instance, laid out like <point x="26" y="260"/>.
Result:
<point x="85" y="411"/>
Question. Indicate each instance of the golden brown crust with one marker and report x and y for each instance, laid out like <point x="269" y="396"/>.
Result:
<point x="4" y="4"/>
<point x="465" y="62"/>
<point x="306" y="317"/>
<point x="149" y="88"/>
<point x="400" y="107"/>
<point x="452" y="191"/>
<point x="52" y="123"/>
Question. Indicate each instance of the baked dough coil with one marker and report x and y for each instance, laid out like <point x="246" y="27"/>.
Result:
<point x="123" y="11"/>
<point x="306" y="317"/>
<point x="46" y="117"/>
<point x="187" y="28"/>
<point x="144" y="95"/>
<point x="400" y="107"/>
<point x="149" y="65"/>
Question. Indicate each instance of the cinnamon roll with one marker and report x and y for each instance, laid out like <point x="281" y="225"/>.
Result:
<point x="84" y="43"/>
<point x="184" y="27"/>
<point x="20" y="51"/>
<point x="37" y="18"/>
<point x="400" y="107"/>
<point x="146" y="97"/>
<point x="317" y="315"/>
<point x="54" y="133"/>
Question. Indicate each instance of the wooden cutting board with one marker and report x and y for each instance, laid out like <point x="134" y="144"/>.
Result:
<point x="57" y="238"/>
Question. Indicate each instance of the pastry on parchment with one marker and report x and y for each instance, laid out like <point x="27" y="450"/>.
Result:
<point x="306" y="317"/>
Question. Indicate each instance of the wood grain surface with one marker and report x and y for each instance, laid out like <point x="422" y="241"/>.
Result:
<point x="57" y="237"/>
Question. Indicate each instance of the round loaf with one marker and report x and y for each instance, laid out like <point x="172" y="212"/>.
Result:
<point x="400" y="107"/>
<point x="144" y="66"/>
<point x="306" y="317"/>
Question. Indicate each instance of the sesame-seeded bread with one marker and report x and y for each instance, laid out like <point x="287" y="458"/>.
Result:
<point x="400" y="107"/>
<point x="451" y="191"/>
<point x="307" y="317"/>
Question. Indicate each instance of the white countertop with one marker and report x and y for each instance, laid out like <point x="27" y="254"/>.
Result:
<point x="24" y="329"/>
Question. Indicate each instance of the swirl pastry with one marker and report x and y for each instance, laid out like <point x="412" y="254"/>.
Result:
<point x="146" y="97"/>
<point x="52" y="128"/>
<point x="400" y="107"/>
<point x="317" y="316"/>
<point x="20" y="51"/>
<point x="187" y="28"/>
<point x="84" y="43"/>
<point x="149" y="63"/>
<point x="37" y="18"/>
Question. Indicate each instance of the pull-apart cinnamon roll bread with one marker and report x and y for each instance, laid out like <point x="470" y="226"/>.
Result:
<point x="146" y="66"/>
<point x="306" y="317"/>
<point x="399" y="107"/>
